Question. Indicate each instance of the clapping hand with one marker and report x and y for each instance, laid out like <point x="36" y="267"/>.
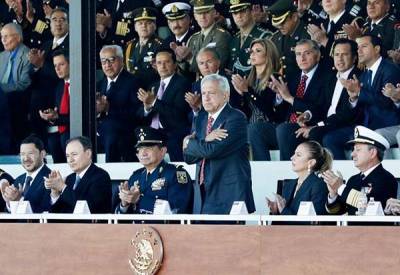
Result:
<point x="333" y="182"/>
<point x="353" y="87"/>
<point x="194" y="101"/>
<point x="128" y="195"/>
<point x="55" y="182"/>
<point x="240" y="84"/>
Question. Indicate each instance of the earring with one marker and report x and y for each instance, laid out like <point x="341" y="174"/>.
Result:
<point x="309" y="169"/>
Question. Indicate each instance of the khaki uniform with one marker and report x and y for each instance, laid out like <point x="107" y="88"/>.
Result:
<point x="217" y="38"/>
<point x="138" y="60"/>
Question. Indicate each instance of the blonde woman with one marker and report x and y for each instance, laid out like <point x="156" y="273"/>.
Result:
<point x="259" y="98"/>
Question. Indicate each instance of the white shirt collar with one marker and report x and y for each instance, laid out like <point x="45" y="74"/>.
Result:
<point x="216" y="114"/>
<point x="59" y="41"/>
<point x="345" y="74"/>
<point x="179" y="39"/>
<point x="310" y="73"/>
<point x="337" y="17"/>
<point x="34" y="174"/>
<point x="369" y="171"/>
<point x="81" y="174"/>
<point x="374" y="68"/>
<point x="109" y="80"/>
<point x="166" y="81"/>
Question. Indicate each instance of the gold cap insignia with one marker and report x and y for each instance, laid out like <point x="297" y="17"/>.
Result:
<point x="174" y="9"/>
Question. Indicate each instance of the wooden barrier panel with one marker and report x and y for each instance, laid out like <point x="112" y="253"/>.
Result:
<point x="201" y="249"/>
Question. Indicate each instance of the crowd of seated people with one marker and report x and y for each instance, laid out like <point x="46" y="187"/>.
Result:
<point x="309" y="71"/>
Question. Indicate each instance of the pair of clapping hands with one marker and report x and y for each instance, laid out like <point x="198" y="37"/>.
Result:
<point x="9" y="192"/>
<point x="392" y="207"/>
<point x="128" y="195"/>
<point x="276" y="206"/>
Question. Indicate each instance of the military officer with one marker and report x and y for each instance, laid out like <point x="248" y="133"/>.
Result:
<point x="140" y="52"/>
<point x="115" y="20"/>
<point x="156" y="180"/>
<point x="209" y="36"/>
<point x="310" y="11"/>
<point x="379" y="23"/>
<point x="179" y="21"/>
<point x="248" y="31"/>
<point x="290" y="30"/>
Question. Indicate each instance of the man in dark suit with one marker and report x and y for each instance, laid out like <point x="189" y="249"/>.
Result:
<point x="304" y="96"/>
<point x="44" y="80"/>
<point x="220" y="149"/>
<point x="87" y="182"/>
<point x="339" y="111"/>
<point x="58" y="117"/>
<point x="166" y="109"/>
<point x="373" y="181"/>
<point x="378" y="110"/>
<point x="117" y="106"/>
<point x="29" y="186"/>
<point x="157" y="180"/>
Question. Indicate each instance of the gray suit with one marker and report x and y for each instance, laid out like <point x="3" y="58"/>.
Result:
<point x="227" y="174"/>
<point x="21" y="70"/>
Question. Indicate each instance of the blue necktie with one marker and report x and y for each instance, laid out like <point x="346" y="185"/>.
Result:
<point x="77" y="180"/>
<point x="369" y="78"/>
<point x="27" y="184"/>
<point x="369" y="84"/>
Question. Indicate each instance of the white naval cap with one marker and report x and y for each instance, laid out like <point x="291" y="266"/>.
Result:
<point x="367" y="136"/>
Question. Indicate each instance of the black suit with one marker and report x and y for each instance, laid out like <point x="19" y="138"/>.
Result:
<point x="312" y="189"/>
<point x="336" y="30"/>
<point x="116" y="127"/>
<point x="56" y="142"/>
<point x="383" y="186"/>
<point x="345" y="115"/>
<point x="44" y="83"/>
<point x="94" y="187"/>
<point x="173" y="113"/>
<point x="378" y="110"/>
<point x="313" y="101"/>
<point x="37" y="195"/>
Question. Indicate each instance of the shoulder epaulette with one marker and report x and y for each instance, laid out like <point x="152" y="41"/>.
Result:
<point x="221" y="29"/>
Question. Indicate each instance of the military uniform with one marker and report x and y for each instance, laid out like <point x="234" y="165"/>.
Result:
<point x="139" y="58"/>
<point x="122" y="29"/>
<point x="240" y="54"/>
<point x="314" y="14"/>
<point x="139" y="61"/>
<point x="286" y="44"/>
<point x="384" y="30"/>
<point x="216" y="37"/>
<point x="240" y="45"/>
<point x="166" y="182"/>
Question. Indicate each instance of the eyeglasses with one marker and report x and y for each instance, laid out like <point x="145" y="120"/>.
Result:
<point x="110" y="60"/>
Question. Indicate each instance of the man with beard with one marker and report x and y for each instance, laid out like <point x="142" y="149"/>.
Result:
<point x="29" y="186"/>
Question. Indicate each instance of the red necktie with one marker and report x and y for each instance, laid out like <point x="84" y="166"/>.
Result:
<point x="64" y="106"/>
<point x="299" y="94"/>
<point x="203" y="162"/>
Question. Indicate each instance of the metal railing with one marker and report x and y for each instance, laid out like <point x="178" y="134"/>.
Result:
<point x="263" y="220"/>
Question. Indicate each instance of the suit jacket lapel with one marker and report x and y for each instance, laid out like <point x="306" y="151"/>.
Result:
<point x="218" y="123"/>
<point x="288" y="190"/>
